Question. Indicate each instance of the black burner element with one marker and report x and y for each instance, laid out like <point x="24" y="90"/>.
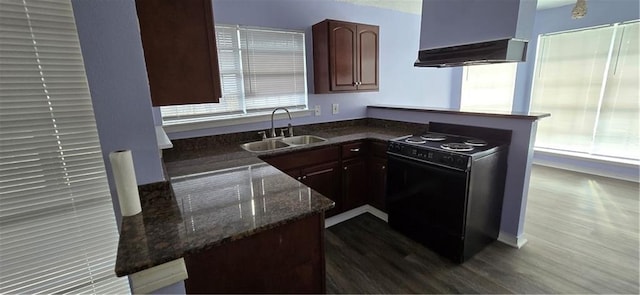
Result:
<point x="416" y="140"/>
<point x="455" y="146"/>
<point x="434" y="137"/>
<point x="475" y="142"/>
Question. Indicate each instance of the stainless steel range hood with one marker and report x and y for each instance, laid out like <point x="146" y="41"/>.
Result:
<point x="470" y="32"/>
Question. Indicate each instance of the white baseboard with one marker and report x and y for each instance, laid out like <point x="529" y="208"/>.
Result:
<point x="159" y="276"/>
<point x="344" y="216"/>
<point x="511" y="240"/>
<point x="377" y="213"/>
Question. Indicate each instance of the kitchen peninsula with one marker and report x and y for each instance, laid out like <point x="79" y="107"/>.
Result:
<point x="234" y="227"/>
<point x="240" y="224"/>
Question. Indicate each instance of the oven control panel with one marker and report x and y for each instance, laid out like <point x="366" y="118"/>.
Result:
<point x="439" y="157"/>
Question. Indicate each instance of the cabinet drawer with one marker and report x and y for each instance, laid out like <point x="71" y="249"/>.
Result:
<point x="352" y="150"/>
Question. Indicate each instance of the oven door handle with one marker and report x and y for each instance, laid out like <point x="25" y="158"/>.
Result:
<point x="418" y="162"/>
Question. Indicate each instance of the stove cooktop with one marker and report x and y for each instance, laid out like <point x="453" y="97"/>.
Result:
<point x="442" y="149"/>
<point x="447" y="142"/>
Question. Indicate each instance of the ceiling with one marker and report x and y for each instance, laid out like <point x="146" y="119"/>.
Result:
<point x="415" y="6"/>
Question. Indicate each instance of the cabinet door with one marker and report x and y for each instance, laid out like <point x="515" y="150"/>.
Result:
<point x="377" y="182"/>
<point x="367" y="62"/>
<point x="354" y="183"/>
<point x="342" y="55"/>
<point x="325" y="179"/>
<point x="283" y="260"/>
<point x="179" y="51"/>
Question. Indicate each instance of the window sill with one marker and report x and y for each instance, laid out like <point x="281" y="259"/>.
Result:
<point x="625" y="169"/>
<point x="173" y="127"/>
<point x="587" y="157"/>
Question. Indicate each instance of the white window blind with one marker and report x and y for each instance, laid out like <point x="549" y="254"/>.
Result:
<point x="57" y="227"/>
<point x="488" y="87"/>
<point x="588" y="80"/>
<point x="260" y="69"/>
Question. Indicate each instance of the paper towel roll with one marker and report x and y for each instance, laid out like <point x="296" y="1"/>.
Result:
<point x="126" y="185"/>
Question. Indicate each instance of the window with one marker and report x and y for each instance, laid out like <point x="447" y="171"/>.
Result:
<point x="57" y="226"/>
<point x="588" y="80"/>
<point x="488" y="87"/>
<point x="260" y="69"/>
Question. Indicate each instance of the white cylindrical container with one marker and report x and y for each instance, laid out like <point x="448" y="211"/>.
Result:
<point x="125" y="177"/>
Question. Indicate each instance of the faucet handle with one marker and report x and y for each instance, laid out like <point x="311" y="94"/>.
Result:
<point x="290" y="130"/>
<point x="264" y="134"/>
<point x="282" y="130"/>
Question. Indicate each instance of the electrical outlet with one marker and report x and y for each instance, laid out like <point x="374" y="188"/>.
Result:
<point x="317" y="109"/>
<point x="335" y="109"/>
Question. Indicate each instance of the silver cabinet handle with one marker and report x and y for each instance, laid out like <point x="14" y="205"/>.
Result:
<point x="383" y="167"/>
<point x="304" y="177"/>
<point x="355" y="150"/>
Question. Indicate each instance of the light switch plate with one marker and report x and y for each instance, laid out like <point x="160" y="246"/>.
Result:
<point x="317" y="109"/>
<point x="335" y="109"/>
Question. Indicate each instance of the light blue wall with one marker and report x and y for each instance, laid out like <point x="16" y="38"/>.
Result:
<point x="117" y="77"/>
<point x="114" y="62"/>
<point x="400" y="82"/>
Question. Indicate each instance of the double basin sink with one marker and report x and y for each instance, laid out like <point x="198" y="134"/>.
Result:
<point x="278" y="143"/>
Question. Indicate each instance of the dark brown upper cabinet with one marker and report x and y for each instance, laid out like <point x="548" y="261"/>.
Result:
<point x="180" y="51"/>
<point x="345" y="57"/>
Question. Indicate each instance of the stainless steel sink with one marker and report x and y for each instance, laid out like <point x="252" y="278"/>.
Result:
<point x="280" y="143"/>
<point x="264" y="145"/>
<point x="302" y="139"/>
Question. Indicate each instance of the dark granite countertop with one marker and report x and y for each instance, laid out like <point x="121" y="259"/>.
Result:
<point x="514" y="115"/>
<point x="210" y="209"/>
<point x="220" y="193"/>
<point x="200" y="155"/>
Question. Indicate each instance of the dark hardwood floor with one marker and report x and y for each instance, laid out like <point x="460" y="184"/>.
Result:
<point x="582" y="232"/>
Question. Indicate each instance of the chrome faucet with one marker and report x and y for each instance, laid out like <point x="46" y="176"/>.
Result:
<point x="273" y="131"/>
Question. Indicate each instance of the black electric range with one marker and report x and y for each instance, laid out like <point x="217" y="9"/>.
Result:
<point x="445" y="191"/>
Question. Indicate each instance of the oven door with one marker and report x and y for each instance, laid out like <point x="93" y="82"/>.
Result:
<point x="427" y="202"/>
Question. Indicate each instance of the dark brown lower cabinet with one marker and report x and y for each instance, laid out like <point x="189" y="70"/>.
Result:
<point x="286" y="259"/>
<point x="325" y="179"/>
<point x="377" y="182"/>
<point x="377" y="168"/>
<point x="317" y="168"/>
<point x="352" y="174"/>
<point x="354" y="183"/>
